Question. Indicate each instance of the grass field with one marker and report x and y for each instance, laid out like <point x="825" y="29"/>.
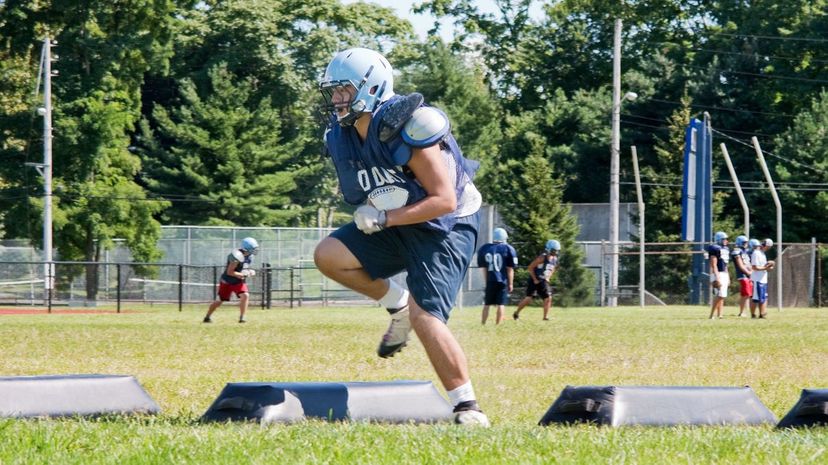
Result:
<point x="518" y="369"/>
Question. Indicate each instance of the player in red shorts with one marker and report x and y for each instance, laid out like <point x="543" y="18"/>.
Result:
<point x="238" y="269"/>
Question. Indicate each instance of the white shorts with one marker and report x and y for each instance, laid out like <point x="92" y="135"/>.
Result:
<point x="724" y="281"/>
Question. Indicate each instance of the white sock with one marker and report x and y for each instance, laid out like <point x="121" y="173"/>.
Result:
<point x="462" y="393"/>
<point x="396" y="297"/>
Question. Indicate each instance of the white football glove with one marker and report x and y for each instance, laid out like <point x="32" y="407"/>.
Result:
<point x="248" y="272"/>
<point x="369" y="220"/>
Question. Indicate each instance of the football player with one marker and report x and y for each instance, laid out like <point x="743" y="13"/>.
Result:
<point x="396" y="159"/>
<point x="498" y="261"/>
<point x="540" y="272"/>
<point x="232" y="281"/>
<point x="718" y="255"/>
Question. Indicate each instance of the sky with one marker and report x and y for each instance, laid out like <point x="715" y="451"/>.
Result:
<point x="422" y="23"/>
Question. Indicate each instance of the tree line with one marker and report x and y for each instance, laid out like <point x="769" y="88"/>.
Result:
<point x="204" y="112"/>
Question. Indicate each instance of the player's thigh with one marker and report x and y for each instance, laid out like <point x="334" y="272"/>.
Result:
<point x="544" y="290"/>
<point x="332" y="253"/>
<point x="379" y="254"/>
<point x="224" y="292"/>
<point x="437" y="264"/>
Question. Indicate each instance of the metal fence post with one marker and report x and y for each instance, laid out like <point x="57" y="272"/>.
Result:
<point x="264" y="286"/>
<point x="118" y="285"/>
<point x="291" y="287"/>
<point x="269" y="284"/>
<point x="215" y="282"/>
<point x="819" y="276"/>
<point x="180" y="287"/>
<point x="51" y="289"/>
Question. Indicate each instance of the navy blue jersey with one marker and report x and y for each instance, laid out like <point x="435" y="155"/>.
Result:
<point x="544" y="271"/>
<point x="243" y="262"/>
<point x="739" y="253"/>
<point x="496" y="257"/>
<point x="721" y="253"/>
<point x="374" y="169"/>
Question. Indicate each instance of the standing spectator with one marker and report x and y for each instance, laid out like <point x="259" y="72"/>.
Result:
<point x="234" y="276"/>
<point x="761" y="265"/>
<point x="718" y="255"/>
<point x="740" y="257"/>
<point x="496" y="260"/>
<point x="540" y="271"/>
<point x="397" y="159"/>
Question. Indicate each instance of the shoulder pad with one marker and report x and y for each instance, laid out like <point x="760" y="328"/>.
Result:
<point x="397" y="115"/>
<point x="426" y="127"/>
<point x="238" y="255"/>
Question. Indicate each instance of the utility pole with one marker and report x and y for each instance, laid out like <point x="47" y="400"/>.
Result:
<point x="45" y="168"/>
<point x="615" y="168"/>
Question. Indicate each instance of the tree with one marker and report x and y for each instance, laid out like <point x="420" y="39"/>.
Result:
<point x="229" y="160"/>
<point x="456" y="87"/>
<point x="278" y="50"/>
<point x="105" y="50"/>
<point x="805" y="145"/>
<point x="529" y="199"/>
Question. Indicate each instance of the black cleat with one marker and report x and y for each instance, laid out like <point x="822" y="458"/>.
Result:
<point x="469" y="414"/>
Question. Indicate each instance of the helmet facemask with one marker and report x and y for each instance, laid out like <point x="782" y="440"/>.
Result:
<point x="338" y="101"/>
<point x="346" y="110"/>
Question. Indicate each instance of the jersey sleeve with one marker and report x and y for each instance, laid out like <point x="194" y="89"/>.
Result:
<point x="512" y="259"/>
<point x="236" y="255"/>
<point x="481" y="254"/>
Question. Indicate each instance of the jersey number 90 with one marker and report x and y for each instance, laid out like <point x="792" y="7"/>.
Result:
<point x="495" y="261"/>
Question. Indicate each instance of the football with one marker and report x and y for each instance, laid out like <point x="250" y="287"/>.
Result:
<point x="388" y="197"/>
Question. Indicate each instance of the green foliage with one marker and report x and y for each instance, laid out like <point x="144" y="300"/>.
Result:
<point x="230" y="163"/>
<point x="106" y="50"/>
<point x="515" y="85"/>
<point x="277" y="51"/>
<point x="528" y="197"/>
<point x="456" y="87"/>
<point x="806" y="142"/>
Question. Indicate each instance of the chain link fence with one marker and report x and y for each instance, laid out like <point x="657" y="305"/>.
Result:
<point x="669" y="277"/>
<point x="89" y="284"/>
<point x="286" y="277"/>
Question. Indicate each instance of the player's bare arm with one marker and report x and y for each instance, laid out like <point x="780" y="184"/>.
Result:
<point x="231" y="270"/>
<point x="532" y="266"/>
<point x="430" y="170"/>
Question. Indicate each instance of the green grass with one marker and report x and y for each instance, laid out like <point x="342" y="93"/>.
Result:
<point x="518" y="369"/>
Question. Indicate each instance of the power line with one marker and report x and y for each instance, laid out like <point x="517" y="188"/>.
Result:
<point x="665" y="128"/>
<point x="759" y="54"/>
<point x="723" y="108"/>
<point x="730" y="187"/>
<point x="634" y="123"/>
<point x="794" y="162"/>
<point x="764" y="76"/>
<point x="756" y="36"/>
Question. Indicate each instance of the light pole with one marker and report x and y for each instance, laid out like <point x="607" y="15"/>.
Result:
<point x="615" y="154"/>
<point x="614" y="191"/>
<point x="45" y="168"/>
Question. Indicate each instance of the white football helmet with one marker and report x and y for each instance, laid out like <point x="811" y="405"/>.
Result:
<point x="364" y="75"/>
